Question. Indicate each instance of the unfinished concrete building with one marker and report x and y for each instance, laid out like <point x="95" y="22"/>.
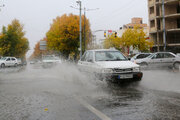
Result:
<point x="171" y="27"/>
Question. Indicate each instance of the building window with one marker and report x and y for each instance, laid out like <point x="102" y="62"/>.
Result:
<point x="178" y="9"/>
<point x="178" y="23"/>
<point x="152" y="24"/>
<point x="151" y="10"/>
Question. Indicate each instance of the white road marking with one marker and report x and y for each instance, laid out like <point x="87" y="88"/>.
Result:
<point x="93" y="110"/>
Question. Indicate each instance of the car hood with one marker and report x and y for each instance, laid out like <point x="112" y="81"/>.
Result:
<point x="51" y="61"/>
<point x="117" y="64"/>
<point x="2" y="60"/>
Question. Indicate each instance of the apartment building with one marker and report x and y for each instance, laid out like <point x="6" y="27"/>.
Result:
<point x="165" y="34"/>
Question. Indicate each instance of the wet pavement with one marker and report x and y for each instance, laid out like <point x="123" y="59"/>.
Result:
<point x="64" y="93"/>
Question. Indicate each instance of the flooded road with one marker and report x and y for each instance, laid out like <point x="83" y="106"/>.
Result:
<point x="64" y="93"/>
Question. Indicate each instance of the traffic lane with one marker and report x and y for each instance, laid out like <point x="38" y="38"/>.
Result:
<point x="132" y="101"/>
<point x="43" y="94"/>
<point x="147" y="99"/>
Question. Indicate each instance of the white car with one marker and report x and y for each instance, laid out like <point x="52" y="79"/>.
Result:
<point x="109" y="64"/>
<point x="140" y="56"/>
<point x="160" y="59"/>
<point x="8" y="61"/>
<point x="49" y="60"/>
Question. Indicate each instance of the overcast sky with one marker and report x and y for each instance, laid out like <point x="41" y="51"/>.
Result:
<point x="37" y="15"/>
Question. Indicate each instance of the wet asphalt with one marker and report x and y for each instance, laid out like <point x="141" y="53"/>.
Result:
<point x="37" y="93"/>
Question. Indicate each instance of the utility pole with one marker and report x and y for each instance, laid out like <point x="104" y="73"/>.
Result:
<point x="84" y="29"/>
<point x="80" y="28"/>
<point x="164" y="28"/>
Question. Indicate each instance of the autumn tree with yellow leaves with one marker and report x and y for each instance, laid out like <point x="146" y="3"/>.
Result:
<point x="112" y="41"/>
<point x="135" y="37"/>
<point x="63" y="35"/>
<point x="13" y="41"/>
<point x="37" y="53"/>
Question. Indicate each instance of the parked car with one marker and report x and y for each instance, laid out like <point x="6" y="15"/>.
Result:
<point x="160" y="59"/>
<point x="140" y="56"/>
<point x="109" y="64"/>
<point x="8" y="61"/>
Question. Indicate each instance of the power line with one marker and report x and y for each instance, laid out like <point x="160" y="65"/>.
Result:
<point x="109" y="15"/>
<point x="116" y="13"/>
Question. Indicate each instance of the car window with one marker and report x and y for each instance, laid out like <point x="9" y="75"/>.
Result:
<point x="158" y="56"/>
<point x="140" y="56"/>
<point x="168" y="55"/>
<point x="86" y="56"/>
<point x="8" y="59"/>
<point x="90" y="56"/>
<point x="109" y="56"/>
<point x="13" y="59"/>
<point x="83" y="57"/>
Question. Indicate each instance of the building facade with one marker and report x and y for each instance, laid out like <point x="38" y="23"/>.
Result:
<point x="164" y="21"/>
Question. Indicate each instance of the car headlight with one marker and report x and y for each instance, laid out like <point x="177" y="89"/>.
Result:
<point x="136" y="69"/>
<point x="107" y="71"/>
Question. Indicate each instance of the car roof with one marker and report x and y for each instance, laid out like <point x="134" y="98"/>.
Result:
<point x="163" y="52"/>
<point x="103" y="50"/>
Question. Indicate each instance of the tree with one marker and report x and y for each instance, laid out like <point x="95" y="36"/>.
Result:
<point x="13" y="41"/>
<point x="136" y="38"/>
<point x="63" y="35"/>
<point x="113" y="41"/>
<point x="37" y="54"/>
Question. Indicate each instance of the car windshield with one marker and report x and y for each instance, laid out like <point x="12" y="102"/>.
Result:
<point x="4" y="58"/>
<point x="109" y="56"/>
<point x="150" y="56"/>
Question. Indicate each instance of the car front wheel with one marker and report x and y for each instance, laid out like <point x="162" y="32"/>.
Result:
<point x="2" y="65"/>
<point x="15" y="65"/>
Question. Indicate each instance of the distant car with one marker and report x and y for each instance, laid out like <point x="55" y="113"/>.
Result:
<point x="8" y="61"/>
<point x="49" y="60"/>
<point x="160" y="59"/>
<point x="140" y="56"/>
<point x="109" y="64"/>
<point x="32" y="62"/>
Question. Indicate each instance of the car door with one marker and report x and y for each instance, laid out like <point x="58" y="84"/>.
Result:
<point x="83" y="64"/>
<point x="13" y="61"/>
<point x="8" y="62"/>
<point x="157" y="60"/>
<point x="169" y="59"/>
<point x="90" y="62"/>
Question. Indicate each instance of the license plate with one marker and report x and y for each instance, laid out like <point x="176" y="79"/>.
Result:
<point x="125" y="76"/>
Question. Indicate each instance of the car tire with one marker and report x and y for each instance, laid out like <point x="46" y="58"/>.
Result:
<point x="143" y="64"/>
<point x="2" y="65"/>
<point x="176" y="65"/>
<point x="15" y="65"/>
